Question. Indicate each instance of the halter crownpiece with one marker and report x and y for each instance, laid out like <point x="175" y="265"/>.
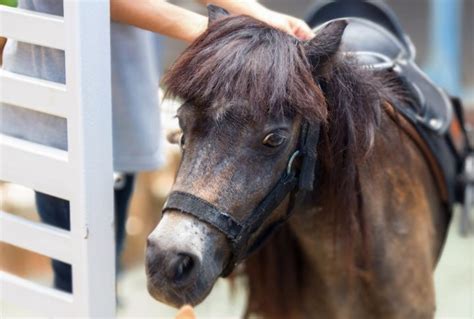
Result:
<point x="239" y="232"/>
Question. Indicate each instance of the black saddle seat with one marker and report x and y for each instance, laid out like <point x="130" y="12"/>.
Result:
<point x="375" y="11"/>
<point x="372" y="44"/>
<point x="377" y="48"/>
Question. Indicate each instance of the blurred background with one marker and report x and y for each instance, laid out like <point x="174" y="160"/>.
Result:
<point x="455" y="273"/>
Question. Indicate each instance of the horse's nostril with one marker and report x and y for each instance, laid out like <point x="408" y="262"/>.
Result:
<point x="150" y="243"/>
<point x="181" y="268"/>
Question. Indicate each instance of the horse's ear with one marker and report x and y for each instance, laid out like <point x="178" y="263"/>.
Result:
<point x="215" y="13"/>
<point x="320" y="49"/>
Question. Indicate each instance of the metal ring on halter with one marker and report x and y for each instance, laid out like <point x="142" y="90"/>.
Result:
<point x="290" y="162"/>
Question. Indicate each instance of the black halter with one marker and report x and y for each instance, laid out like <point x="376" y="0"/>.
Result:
<point x="239" y="232"/>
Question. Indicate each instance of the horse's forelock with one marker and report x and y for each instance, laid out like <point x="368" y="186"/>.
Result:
<point x="239" y="58"/>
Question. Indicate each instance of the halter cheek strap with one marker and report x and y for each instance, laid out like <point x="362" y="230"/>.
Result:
<point x="309" y="139"/>
<point x="239" y="232"/>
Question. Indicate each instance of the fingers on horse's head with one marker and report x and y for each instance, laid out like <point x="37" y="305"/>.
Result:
<point x="183" y="259"/>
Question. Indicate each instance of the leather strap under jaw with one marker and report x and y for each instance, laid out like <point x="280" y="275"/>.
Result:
<point x="239" y="232"/>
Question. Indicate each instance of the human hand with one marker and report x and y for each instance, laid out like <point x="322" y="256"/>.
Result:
<point x="292" y="25"/>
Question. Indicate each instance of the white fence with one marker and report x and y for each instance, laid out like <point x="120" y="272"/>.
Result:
<point x="82" y="175"/>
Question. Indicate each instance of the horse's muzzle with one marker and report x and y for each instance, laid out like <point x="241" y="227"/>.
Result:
<point x="178" y="268"/>
<point x="184" y="258"/>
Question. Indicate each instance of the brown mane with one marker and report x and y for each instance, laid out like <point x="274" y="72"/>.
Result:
<point x="239" y="57"/>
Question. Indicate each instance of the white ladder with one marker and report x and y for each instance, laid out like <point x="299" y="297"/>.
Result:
<point x="82" y="175"/>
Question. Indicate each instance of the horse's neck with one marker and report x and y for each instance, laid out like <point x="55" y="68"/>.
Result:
<point x="405" y="221"/>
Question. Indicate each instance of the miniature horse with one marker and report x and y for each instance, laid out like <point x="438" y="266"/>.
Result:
<point x="362" y="244"/>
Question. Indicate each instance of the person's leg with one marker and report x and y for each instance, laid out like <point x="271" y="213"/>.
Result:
<point x="55" y="211"/>
<point x="122" y="200"/>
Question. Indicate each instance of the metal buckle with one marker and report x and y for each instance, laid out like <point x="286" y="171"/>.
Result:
<point x="468" y="205"/>
<point x="289" y="167"/>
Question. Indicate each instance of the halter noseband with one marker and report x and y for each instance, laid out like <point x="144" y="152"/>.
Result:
<point x="239" y="232"/>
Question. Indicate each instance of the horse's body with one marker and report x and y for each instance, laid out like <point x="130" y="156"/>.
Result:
<point x="406" y="224"/>
<point x="362" y="244"/>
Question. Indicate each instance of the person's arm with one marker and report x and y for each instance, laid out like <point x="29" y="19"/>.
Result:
<point x="287" y="23"/>
<point x="170" y="20"/>
<point x="159" y="16"/>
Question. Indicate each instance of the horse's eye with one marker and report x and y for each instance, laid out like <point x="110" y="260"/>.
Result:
<point x="273" y="140"/>
<point x="181" y="141"/>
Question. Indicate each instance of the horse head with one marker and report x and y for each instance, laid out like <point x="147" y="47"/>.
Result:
<point x="251" y="105"/>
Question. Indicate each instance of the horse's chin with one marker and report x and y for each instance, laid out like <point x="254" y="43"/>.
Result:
<point x="192" y="295"/>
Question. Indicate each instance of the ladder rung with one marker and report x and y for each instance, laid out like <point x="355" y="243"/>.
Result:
<point x="34" y="297"/>
<point x="37" y="237"/>
<point x="34" y="94"/>
<point x="41" y="168"/>
<point x="32" y="27"/>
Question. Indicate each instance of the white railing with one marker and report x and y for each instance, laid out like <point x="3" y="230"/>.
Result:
<point x="82" y="175"/>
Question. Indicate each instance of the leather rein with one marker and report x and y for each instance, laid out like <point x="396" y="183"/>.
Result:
<point x="239" y="232"/>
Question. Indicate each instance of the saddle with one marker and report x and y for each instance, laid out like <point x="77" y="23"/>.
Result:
<point x="375" y="38"/>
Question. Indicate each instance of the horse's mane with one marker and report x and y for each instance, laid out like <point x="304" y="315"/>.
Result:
<point x="240" y="57"/>
<point x="241" y="61"/>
